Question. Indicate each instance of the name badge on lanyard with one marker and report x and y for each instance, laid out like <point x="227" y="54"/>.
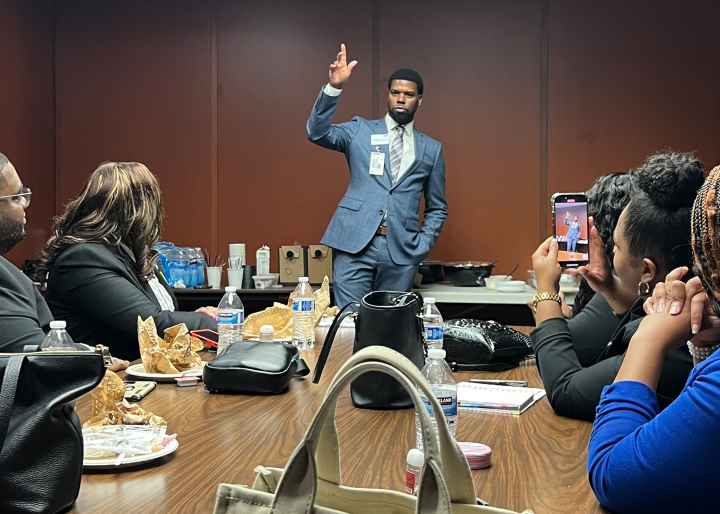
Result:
<point x="377" y="163"/>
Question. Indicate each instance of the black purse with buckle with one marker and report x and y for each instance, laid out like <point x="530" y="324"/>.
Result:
<point x="41" y="445"/>
<point x="386" y="318"/>
<point x="254" y="367"/>
<point x="480" y="345"/>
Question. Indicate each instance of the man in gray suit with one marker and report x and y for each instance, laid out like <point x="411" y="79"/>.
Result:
<point x="376" y="233"/>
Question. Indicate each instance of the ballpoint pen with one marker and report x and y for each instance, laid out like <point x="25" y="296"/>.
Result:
<point x="512" y="383"/>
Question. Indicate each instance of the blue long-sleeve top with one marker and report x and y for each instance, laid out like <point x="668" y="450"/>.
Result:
<point x="643" y="460"/>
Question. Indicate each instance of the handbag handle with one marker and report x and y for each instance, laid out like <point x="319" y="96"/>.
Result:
<point x="8" y="391"/>
<point x="346" y="311"/>
<point x="455" y="466"/>
<point x="297" y="489"/>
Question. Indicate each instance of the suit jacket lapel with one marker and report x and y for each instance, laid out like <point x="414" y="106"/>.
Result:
<point x="419" y="152"/>
<point x="129" y="260"/>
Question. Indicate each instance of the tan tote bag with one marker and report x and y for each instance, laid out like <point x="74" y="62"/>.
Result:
<point x="310" y="483"/>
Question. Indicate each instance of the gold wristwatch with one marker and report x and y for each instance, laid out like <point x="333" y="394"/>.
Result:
<point x="545" y="296"/>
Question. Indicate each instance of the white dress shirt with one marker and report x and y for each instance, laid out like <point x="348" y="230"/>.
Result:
<point x="408" y="155"/>
<point x="161" y="294"/>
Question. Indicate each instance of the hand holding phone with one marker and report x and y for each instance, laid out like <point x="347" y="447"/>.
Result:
<point x="570" y="228"/>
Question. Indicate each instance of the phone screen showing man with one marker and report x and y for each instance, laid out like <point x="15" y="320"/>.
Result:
<point x="571" y="229"/>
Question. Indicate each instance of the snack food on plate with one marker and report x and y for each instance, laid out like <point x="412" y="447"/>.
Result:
<point x="110" y="408"/>
<point x="175" y="353"/>
<point x="280" y="316"/>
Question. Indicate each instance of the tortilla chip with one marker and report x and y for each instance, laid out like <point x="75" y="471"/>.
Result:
<point x="176" y="352"/>
<point x="110" y="408"/>
<point x="279" y="316"/>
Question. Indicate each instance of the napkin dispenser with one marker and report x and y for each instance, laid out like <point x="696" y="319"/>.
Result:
<point x="314" y="262"/>
<point x="319" y="259"/>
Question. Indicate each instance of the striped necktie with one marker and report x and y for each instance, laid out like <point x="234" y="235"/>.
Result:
<point x="396" y="151"/>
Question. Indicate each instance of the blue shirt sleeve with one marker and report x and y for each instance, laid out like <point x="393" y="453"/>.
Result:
<point x="643" y="460"/>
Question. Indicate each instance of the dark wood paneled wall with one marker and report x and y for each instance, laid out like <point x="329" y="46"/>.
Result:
<point x="27" y="114"/>
<point x="529" y="97"/>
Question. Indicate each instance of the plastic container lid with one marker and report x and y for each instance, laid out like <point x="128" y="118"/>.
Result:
<point x="415" y="458"/>
<point x="436" y="353"/>
<point x="429" y="299"/>
<point x="478" y="455"/>
<point x="230" y="289"/>
<point x="267" y="330"/>
<point x="57" y="324"/>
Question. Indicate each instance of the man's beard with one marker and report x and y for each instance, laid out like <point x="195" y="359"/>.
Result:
<point x="11" y="233"/>
<point x="401" y="117"/>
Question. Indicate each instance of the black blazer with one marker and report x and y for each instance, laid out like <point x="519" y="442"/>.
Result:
<point x="24" y="315"/>
<point x="577" y="358"/>
<point x="93" y="287"/>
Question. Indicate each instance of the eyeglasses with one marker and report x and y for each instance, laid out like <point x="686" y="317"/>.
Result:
<point x="23" y="196"/>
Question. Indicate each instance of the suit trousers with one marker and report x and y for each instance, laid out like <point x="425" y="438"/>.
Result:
<point x="372" y="269"/>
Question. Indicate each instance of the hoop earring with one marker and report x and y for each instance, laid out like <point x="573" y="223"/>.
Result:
<point x="643" y="289"/>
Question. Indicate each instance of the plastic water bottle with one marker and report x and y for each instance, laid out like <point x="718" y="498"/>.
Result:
<point x="303" y="311"/>
<point x="58" y="338"/>
<point x="444" y="387"/>
<point x="200" y="264"/>
<point x="231" y="317"/>
<point x="432" y="324"/>
<point x="267" y="333"/>
<point x="177" y="262"/>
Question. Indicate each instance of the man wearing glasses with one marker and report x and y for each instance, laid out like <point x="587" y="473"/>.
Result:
<point x="24" y="315"/>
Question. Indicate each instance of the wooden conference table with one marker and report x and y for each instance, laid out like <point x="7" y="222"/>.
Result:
<point x="538" y="458"/>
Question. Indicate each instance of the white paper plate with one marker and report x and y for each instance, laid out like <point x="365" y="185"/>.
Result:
<point x="510" y="286"/>
<point x="327" y="321"/>
<point x="127" y="462"/>
<point x="138" y="371"/>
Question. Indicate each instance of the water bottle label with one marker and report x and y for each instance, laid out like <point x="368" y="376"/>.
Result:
<point x="433" y="333"/>
<point x="448" y="402"/>
<point x="303" y="305"/>
<point x="231" y="317"/>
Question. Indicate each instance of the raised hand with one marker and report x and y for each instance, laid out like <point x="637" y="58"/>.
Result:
<point x="340" y="69"/>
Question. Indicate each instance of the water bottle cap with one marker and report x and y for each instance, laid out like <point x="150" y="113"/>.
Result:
<point x="303" y="279"/>
<point x="267" y="330"/>
<point x="58" y="324"/>
<point x="436" y="353"/>
<point x="415" y="457"/>
<point x="230" y="289"/>
<point x="429" y="299"/>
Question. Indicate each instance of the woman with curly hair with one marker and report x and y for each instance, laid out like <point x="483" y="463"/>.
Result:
<point x="641" y="459"/>
<point x="650" y="239"/>
<point x="99" y="264"/>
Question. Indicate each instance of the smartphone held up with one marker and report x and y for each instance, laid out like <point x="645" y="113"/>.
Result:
<point x="570" y="228"/>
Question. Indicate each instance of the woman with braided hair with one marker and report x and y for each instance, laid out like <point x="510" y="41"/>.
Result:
<point x="639" y="458"/>
<point x="577" y="358"/>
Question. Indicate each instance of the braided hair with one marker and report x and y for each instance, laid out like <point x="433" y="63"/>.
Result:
<point x="705" y="233"/>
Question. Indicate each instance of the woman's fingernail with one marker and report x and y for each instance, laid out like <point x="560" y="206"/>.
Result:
<point x="675" y="308"/>
<point x="661" y="306"/>
<point x="695" y="329"/>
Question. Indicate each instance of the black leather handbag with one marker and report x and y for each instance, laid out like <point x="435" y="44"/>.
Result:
<point x="41" y="446"/>
<point x="479" y="345"/>
<point x="385" y="318"/>
<point x="254" y="367"/>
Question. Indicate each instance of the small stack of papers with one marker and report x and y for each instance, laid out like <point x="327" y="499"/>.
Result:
<point x="497" y="398"/>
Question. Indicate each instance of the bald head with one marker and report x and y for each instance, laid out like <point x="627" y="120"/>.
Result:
<point x="4" y="162"/>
